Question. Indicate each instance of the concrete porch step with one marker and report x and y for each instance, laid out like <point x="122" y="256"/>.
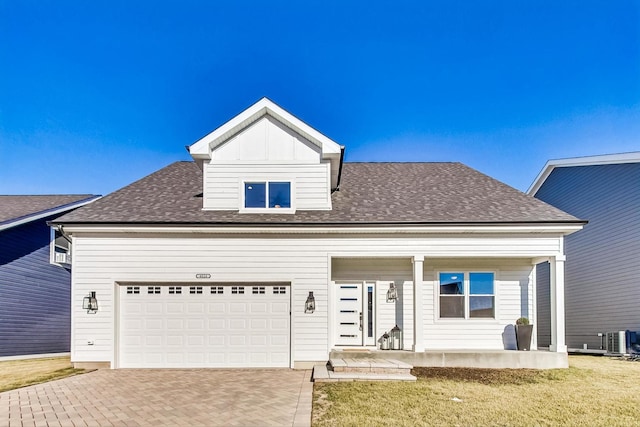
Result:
<point x="366" y="365"/>
<point x="362" y="369"/>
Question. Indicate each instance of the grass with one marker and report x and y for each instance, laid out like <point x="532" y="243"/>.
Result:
<point x="21" y="373"/>
<point x="594" y="391"/>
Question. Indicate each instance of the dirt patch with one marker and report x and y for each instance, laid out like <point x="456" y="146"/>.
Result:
<point x="482" y="376"/>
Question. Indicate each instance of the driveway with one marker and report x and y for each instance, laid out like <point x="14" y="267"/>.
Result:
<point x="167" y="397"/>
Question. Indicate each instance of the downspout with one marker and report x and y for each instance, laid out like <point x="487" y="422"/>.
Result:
<point x="337" y="187"/>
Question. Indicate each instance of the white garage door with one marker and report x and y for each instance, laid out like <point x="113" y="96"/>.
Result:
<point x="204" y="326"/>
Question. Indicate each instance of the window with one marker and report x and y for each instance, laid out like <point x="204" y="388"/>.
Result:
<point x="467" y="295"/>
<point x="271" y="194"/>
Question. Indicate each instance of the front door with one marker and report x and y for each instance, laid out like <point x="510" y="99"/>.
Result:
<point x="355" y="315"/>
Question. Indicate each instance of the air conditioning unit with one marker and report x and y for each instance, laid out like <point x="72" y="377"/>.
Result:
<point x="616" y="342"/>
<point x="63" y="258"/>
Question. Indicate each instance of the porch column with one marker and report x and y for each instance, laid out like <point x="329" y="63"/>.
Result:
<point x="418" y="321"/>
<point x="556" y="281"/>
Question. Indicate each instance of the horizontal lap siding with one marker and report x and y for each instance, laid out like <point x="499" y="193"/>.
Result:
<point x="602" y="267"/>
<point x="514" y="298"/>
<point x="303" y="260"/>
<point x="222" y="183"/>
<point x="383" y="272"/>
<point x="34" y="295"/>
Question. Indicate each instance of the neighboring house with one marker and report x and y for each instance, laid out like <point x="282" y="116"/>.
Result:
<point x="35" y="280"/>
<point x="603" y="260"/>
<point x="269" y="251"/>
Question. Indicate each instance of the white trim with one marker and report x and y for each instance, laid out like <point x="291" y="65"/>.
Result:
<point x="203" y="147"/>
<point x="560" y="229"/>
<point x="266" y="180"/>
<point x="467" y="294"/>
<point x="605" y="159"/>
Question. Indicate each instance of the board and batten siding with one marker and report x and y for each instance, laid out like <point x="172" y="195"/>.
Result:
<point x="303" y="260"/>
<point x="602" y="267"/>
<point x="35" y="296"/>
<point x="267" y="150"/>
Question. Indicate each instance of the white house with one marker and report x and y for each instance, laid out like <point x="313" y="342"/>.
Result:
<point x="214" y="263"/>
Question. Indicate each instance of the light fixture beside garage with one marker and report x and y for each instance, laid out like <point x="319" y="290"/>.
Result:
<point x="90" y="303"/>
<point x="392" y="293"/>
<point x="310" y="304"/>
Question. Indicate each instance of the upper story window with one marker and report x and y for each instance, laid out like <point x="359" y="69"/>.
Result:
<point x="467" y="295"/>
<point x="267" y="195"/>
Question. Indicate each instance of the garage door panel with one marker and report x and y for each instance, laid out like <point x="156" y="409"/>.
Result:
<point x="175" y="340"/>
<point x="205" y="326"/>
<point x="153" y="308"/>
<point x="173" y="307"/>
<point x="175" y="324"/>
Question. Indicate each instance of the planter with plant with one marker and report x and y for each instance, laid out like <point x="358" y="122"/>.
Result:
<point x="523" y="334"/>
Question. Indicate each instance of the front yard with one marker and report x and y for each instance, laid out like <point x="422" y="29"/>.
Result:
<point x="593" y="391"/>
<point x="21" y="373"/>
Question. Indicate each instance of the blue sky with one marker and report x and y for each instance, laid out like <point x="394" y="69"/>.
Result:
<point x="95" y="95"/>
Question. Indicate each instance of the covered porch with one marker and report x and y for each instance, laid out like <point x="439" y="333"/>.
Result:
<point x="438" y="329"/>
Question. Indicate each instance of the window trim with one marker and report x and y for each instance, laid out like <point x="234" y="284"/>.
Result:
<point x="266" y="181"/>
<point x="467" y="294"/>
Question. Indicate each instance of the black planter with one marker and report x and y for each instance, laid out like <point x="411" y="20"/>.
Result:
<point x="523" y="337"/>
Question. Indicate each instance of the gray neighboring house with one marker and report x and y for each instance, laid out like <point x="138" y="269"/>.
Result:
<point x="602" y="293"/>
<point x="35" y="275"/>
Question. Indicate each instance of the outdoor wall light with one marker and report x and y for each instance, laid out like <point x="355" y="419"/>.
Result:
<point x="310" y="304"/>
<point x="392" y="293"/>
<point x="90" y="303"/>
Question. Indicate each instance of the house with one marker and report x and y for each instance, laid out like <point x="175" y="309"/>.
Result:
<point x="268" y="250"/>
<point x="601" y="292"/>
<point x="35" y="279"/>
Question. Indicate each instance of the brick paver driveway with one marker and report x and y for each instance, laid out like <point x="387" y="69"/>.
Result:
<point x="168" y="397"/>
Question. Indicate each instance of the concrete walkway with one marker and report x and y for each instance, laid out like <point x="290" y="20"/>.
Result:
<point x="169" y="397"/>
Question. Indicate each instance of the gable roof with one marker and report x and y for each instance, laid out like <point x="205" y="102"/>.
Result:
<point x="16" y="210"/>
<point x="370" y="194"/>
<point x="605" y="159"/>
<point x="202" y="148"/>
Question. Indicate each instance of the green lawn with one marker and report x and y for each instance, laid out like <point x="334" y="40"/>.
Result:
<point x="21" y="373"/>
<point x="594" y="391"/>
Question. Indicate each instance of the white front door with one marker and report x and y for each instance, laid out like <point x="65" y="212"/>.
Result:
<point x="355" y="317"/>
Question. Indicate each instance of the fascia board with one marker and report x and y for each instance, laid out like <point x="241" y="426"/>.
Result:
<point x="49" y="212"/>
<point x="202" y="147"/>
<point x="605" y="159"/>
<point x="556" y="229"/>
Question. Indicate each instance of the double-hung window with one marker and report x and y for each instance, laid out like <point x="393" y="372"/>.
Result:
<point x="467" y="295"/>
<point x="267" y="195"/>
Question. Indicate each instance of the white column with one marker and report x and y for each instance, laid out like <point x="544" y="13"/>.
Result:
<point x="418" y="317"/>
<point x="556" y="279"/>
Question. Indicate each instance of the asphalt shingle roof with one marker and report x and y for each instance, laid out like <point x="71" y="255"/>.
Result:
<point x="15" y="207"/>
<point x="370" y="193"/>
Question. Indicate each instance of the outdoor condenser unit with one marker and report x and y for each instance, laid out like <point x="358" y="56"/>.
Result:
<point x="616" y="342"/>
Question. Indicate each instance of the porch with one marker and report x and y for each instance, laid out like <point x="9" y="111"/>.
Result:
<point x="490" y="359"/>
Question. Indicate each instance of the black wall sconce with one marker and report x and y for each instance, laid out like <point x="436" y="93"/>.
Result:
<point x="392" y="293"/>
<point x="90" y="303"/>
<point x="310" y="304"/>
